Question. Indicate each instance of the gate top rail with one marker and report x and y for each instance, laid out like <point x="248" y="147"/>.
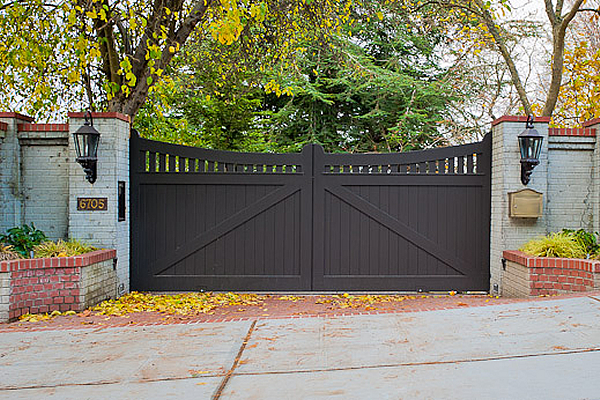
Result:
<point x="159" y="157"/>
<point x="468" y="159"/>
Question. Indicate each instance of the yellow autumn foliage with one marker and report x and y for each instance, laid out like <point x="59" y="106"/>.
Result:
<point x="182" y="304"/>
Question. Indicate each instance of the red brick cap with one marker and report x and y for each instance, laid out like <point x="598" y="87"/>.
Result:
<point x="59" y="262"/>
<point x="572" y="132"/>
<point x="519" y="118"/>
<point x="43" y="127"/>
<point x="549" y="262"/>
<point x="117" y="115"/>
<point x="591" y="122"/>
<point x="16" y="115"/>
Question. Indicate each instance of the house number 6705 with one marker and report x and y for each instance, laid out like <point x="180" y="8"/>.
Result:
<point x="92" y="203"/>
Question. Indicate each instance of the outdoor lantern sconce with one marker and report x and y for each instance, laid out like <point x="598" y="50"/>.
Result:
<point x="86" y="145"/>
<point x="530" y="145"/>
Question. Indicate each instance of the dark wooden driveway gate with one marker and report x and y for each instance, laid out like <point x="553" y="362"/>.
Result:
<point x="215" y="220"/>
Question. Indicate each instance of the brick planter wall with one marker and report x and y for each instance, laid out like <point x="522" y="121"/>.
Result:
<point x="527" y="276"/>
<point x="63" y="284"/>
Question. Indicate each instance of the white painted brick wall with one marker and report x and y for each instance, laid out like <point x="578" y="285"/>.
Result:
<point x="11" y="213"/>
<point x="45" y="181"/>
<point x="4" y="295"/>
<point x="516" y="280"/>
<point x="101" y="228"/>
<point x="510" y="233"/>
<point x="570" y="183"/>
<point x="596" y="181"/>
<point x="98" y="283"/>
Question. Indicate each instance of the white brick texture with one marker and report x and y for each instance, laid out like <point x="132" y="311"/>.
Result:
<point x="102" y="227"/>
<point x="510" y="233"/>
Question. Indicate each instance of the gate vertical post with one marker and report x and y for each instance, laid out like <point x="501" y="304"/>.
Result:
<point x="318" y="217"/>
<point x="508" y="233"/>
<point x="106" y="229"/>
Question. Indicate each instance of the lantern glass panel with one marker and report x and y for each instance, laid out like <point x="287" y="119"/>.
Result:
<point x="78" y="146"/>
<point x="92" y="145"/>
<point x="530" y="147"/>
<point x="86" y="143"/>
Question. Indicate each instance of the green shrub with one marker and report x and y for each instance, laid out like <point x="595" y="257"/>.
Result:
<point x="563" y="245"/>
<point x="589" y="240"/>
<point x="61" y="248"/>
<point x="23" y="239"/>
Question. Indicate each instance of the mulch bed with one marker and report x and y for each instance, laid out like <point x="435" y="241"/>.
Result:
<point x="273" y="306"/>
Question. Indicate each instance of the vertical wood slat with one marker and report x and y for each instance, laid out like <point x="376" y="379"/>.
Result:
<point x="182" y="164"/>
<point x="460" y="169"/>
<point x="422" y="168"/>
<point x="171" y="163"/>
<point x="432" y="167"/>
<point x="161" y="162"/>
<point x="335" y="256"/>
<point x="374" y="228"/>
<point x="470" y="164"/>
<point x="151" y="162"/>
<point x="279" y="238"/>
<point x="451" y="166"/>
<point x="441" y="166"/>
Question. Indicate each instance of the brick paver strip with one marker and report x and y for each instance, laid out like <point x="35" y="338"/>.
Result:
<point x="275" y="309"/>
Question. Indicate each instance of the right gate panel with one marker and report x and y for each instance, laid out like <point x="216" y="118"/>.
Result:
<point x="408" y="221"/>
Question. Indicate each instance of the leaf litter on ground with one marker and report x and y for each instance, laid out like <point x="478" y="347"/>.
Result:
<point x="181" y="304"/>
<point x="196" y="303"/>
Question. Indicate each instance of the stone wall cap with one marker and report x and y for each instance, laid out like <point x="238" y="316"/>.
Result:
<point x="591" y="122"/>
<point x="519" y="118"/>
<point x="16" y="115"/>
<point x="116" y="115"/>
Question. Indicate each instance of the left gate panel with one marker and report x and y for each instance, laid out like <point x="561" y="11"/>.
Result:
<point x="234" y="225"/>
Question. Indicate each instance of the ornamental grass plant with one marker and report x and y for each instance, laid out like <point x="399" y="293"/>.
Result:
<point x="7" y="253"/>
<point x="558" y="244"/>
<point x="61" y="248"/>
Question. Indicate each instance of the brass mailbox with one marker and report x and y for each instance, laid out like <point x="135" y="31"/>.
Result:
<point x="525" y="203"/>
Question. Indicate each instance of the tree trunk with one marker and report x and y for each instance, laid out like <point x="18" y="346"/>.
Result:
<point x="559" y="30"/>
<point x="502" y="48"/>
<point x="131" y="104"/>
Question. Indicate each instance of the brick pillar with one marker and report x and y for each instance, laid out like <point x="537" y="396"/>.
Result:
<point x="11" y="197"/>
<point x="103" y="228"/>
<point x="595" y="124"/>
<point x="510" y="233"/>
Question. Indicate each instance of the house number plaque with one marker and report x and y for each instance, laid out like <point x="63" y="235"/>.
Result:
<point x="92" y="203"/>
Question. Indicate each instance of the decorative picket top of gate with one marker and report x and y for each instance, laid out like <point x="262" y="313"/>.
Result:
<point x="217" y="220"/>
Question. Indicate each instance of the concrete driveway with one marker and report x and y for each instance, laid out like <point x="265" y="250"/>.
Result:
<point x="534" y="350"/>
